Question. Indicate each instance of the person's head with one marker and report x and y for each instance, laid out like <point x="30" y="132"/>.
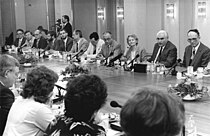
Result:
<point x="193" y="37"/>
<point x="44" y="33"/>
<point x="162" y="37"/>
<point x="152" y="113"/>
<point x="40" y="28"/>
<point x="37" y="34"/>
<point x="77" y="34"/>
<point x="20" y="33"/>
<point x="132" y="40"/>
<point x="9" y="69"/>
<point x="86" y="94"/>
<point x="65" y="18"/>
<point x="28" y="35"/>
<point x="107" y="37"/>
<point x="39" y="84"/>
<point x="94" y="38"/>
<point x="51" y="35"/>
<point x="63" y="34"/>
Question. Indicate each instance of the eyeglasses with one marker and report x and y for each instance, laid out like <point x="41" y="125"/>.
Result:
<point x="107" y="39"/>
<point x="192" y="39"/>
<point x="160" y="38"/>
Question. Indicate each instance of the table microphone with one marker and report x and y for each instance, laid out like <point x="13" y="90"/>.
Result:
<point x="115" y="104"/>
<point x="134" y="59"/>
<point x="77" y="54"/>
<point x="177" y="62"/>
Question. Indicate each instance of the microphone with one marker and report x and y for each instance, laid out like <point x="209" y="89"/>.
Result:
<point x="173" y="66"/>
<point x="134" y="59"/>
<point x="116" y="58"/>
<point x="115" y="104"/>
<point x="76" y="55"/>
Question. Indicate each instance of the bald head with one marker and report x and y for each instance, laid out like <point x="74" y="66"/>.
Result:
<point x="162" y="37"/>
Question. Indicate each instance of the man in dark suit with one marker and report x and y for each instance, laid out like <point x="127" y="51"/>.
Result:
<point x="53" y="43"/>
<point x="66" y="25"/>
<point x="164" y="52"/>
<point x="9" y="68"/>
<point x="39" y="42"/>
<point x="20" y="40"/>
<point x="66" y="42"/>
<point x="196" y="54"/>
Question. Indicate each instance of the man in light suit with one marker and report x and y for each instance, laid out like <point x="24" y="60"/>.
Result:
<point x="80" y="44"/>
<point x="196" y="54"/>
<point x="164" y="52"/>
<point x="110" y="48"/>
<point x="95" y="45"/>
<point x="9" y="68"/>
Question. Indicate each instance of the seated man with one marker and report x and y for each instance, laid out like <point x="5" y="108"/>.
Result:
<point x="80" y="44"/>
<point x="20" y="39"/>
<point x="95" y="45"/>
<point x="29" y="38"/>
<point x="66" y="42"/>
<point x="111" y="48"/>
<point x="9" y="68"/>
<point x="196" y="54"/>
<point x="39" y="42"/>
<point x="164" y="52"/>
<point x="152" y="113"/>
<point x="53" y="43"/>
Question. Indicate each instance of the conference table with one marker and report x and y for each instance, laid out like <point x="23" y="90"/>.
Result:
<point x="123" y="84"/>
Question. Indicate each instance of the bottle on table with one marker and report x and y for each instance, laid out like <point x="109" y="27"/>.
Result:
<point x="191" y="129"/>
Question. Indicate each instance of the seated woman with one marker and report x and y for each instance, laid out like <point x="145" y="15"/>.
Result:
<point x="133" y="49"/>
<point x="85" y="95"/>
<point x="30" y="114"/>
<point x="152" y="113"/>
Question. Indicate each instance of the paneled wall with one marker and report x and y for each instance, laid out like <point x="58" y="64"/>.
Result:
<point x="1" y="33"/>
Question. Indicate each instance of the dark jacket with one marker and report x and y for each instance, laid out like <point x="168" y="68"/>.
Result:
<point x="68" y="29"/>
<point x="42" y="44"/>
<point x="6" y="100"/>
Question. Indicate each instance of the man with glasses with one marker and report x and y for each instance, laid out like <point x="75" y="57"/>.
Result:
<point x="39" y="42"/>
<point x="196" y="54"/>
<point x="9" y="69"/>
<point x="164" y="52"/>
<point x="110" y="48"/>
<point x="20" y="40"/>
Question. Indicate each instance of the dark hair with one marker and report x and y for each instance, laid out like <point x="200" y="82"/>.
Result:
<point x="85" y="95"/>
<point x="194" y="30"/>
<point x="39" y="84"/>
<point x="40" y="28"/>
<point x="78" y="32"/>
<point x="44" y="30"/>
<point x="94" y="35"/>
<point x="152" y="113"/>
<point x="7" y="62"/>
<point x="20" y="30"/>
<point x="28" y="32"/>
<point x="52" y="33"/>
<point x="66" y="17"/>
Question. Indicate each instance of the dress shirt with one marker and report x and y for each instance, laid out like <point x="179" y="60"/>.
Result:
<point x="161" y="48"/>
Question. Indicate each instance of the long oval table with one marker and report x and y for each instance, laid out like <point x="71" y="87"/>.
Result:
<point x="122" y="85"/>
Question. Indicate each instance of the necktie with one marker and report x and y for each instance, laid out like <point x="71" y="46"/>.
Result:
<point x="94" y="50"/>
<point x="77" y="48"/>
<point x="19" y="43"/>
<point x="193" y="53"/>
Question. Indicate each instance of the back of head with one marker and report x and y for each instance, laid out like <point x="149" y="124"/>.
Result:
<point x="39" y="84"/>
<point x="7" y="62"/>
<point x="86" y="94"/>
<point x="152" y="113"/>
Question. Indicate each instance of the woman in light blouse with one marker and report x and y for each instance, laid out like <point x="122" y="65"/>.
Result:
<point x="133" y="49"/>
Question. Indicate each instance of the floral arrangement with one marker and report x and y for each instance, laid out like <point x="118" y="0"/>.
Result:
<point x="27" y="58"/>
<point x="189" y="90"/>
<point x="73" y="70"/>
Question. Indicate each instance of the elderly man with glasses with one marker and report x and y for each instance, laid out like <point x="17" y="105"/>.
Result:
<point x="164" y="52"/>
<point x="196" y="54"/>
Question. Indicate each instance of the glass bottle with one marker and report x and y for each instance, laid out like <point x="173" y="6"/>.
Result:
<point x="191" y="129"/>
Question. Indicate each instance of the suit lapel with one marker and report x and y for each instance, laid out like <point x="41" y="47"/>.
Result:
<point x="197" y="54"/>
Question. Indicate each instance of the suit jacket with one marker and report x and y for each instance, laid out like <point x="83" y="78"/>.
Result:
<point x="68" y="29"/>
<point x="53" y="45"/>
<point x="22" y="42"/>
<point x="61" y="45"/>
<point x="6" y="100"/>
<point x="168" y="55"/>
<point x="107" y="49"/>
<point x="42" y="44"/>
<point x="201" y="58"/>
<point x="82" y="45"/>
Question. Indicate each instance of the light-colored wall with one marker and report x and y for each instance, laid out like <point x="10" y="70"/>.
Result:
<point x="135" y="20"/>
<point x="63" y="7"/>
<point x="1" y="31"/>
<point x="203" y="24"/>
<point x="20" y="14"/>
